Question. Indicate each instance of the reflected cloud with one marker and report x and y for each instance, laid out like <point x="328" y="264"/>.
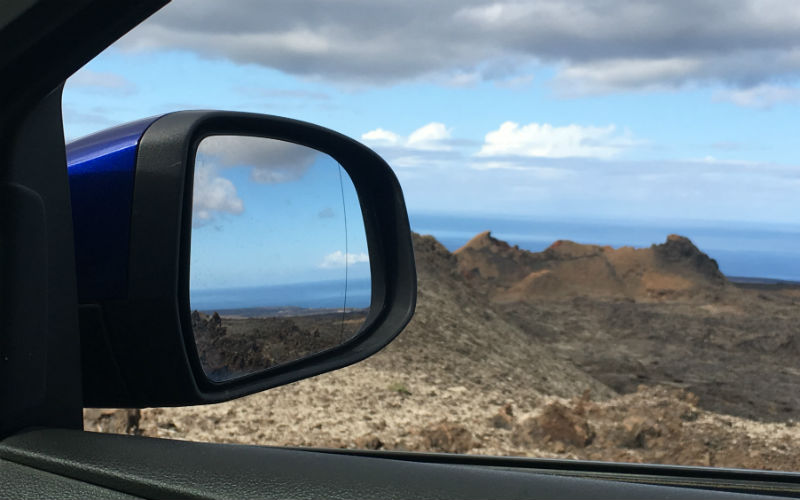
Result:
<point x="340" y="259"/>
<point x="212" y="195"/>
<point x="272" y="161"/>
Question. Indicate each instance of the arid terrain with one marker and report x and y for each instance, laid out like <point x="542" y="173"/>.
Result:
<point x="231" y="346"/>
<point x="579" y="351"/>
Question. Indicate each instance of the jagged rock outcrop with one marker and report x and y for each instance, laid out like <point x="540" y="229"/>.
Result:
<point x="680" y="250"/>
<point x="676" y="269"/>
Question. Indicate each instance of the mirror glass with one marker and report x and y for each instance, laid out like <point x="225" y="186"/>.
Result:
<point x="279" y="259"/>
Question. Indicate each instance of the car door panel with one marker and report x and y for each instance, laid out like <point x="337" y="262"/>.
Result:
<point x="22" y="482"/>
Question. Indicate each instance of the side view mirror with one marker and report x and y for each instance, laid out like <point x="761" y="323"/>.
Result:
<point x="220" y="254"/>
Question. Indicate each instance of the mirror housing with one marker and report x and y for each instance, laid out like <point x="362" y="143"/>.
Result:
<point x="132" y="208"/>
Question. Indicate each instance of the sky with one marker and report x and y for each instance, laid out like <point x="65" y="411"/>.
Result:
<point x="557" y="109"/>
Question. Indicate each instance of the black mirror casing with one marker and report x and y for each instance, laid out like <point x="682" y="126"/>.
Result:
<point x="138" y="350"/>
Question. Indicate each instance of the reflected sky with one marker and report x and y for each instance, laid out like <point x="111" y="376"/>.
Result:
<point x="260" y="224"/>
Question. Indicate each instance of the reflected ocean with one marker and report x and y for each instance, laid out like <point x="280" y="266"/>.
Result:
<point x="311" y="295"/>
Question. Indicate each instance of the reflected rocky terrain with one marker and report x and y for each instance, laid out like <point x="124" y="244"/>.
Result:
<point x="232" y="345"/>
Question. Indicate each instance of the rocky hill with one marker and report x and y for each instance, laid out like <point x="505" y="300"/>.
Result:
<point x="454" y="327"/>
<point x="675" y="269"/>
<point x="658" y="315"/>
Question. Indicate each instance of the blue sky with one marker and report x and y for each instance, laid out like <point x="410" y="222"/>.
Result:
<point x="650" y="110"/>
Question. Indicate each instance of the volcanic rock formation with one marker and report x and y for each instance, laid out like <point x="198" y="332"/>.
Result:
<point x="675" y="269"/>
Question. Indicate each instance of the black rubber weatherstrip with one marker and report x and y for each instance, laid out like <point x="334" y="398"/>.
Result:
<point x="716" y="478"/>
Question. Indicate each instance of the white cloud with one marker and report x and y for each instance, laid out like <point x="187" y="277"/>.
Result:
<point x="612" y="75"/>
<point x="338" y="259"/>
<point x="95" y="80"/>
<point x="434" y="136"/>
<point x="763" y="96"/>
<point x="212" y="195"/>
<point x="383" y="137"/>
<point x="460" y="79"/>
<point x="498" y="14"/>
<point x="548" y="141"/>
<point x="430" y="137"/>
<point x="664" y="43"/>
<point x="432" y="146"/>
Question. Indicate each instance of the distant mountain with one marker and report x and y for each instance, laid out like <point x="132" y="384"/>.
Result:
<point x="675" y="269"/>
<point x="771" y="283"/>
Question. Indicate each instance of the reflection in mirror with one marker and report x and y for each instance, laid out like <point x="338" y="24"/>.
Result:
<point x="279" y="265"/>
